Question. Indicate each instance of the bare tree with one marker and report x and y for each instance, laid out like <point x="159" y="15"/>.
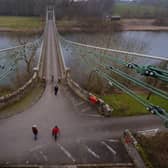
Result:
<point x="28" y="54"/>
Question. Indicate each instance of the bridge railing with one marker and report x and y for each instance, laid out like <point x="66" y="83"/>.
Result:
<point x="38" y="73"/>
<point x="103" y="108"/>
<point x="41" y="61"/>
<point x="63" y="68"/>
<point x="19" y="93"/>
<point x="125" y="70"/>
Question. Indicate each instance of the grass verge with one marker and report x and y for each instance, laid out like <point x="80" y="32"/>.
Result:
<point x="130" y="10"/>
<point x="144" y="156"/>
<point x="88" y="25"/>
<point x="13" y="22"/>
<point x="31" y="97"/>
<point x="155" y="149"/>
<point x="124" y="105"/>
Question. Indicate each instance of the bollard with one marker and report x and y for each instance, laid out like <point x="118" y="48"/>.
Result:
<point x="100" y="103"/>
<point x="93" y="99"/>
<point x="107" y="111"/>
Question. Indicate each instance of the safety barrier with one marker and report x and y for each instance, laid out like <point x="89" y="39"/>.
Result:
<point x="104" y="109"/>
<point x="19" y="93"/>
<point x="130" y="144"/>
<point x="63" y="68"/>
<point x="38" y="72"/>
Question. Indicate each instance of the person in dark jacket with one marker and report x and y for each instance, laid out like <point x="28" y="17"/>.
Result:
<point x="35" y="131"/>
<point x="55" y="132"/>
<point x="56" y="90"/>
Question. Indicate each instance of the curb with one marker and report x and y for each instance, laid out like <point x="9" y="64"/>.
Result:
<point x="130" y="145"/>
<point x="103" y="108"/>
<point x="107" y="165"/>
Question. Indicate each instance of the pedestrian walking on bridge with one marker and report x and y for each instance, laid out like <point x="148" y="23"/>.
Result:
<point x="55" y="132"/>
<point x="35" y="131"/>
<point x="56" y="90"/>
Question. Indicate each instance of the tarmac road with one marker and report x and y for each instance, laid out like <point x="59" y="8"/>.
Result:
<point x="85" y="136"/>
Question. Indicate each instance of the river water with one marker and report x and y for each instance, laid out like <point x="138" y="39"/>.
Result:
<point x="8" y="40"/>
<point x="154" y="43"/>
<point x="12" y="39"/>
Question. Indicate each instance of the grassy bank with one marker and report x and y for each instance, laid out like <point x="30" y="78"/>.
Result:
<point x="31" y="97"/>
<point x="88" y="25"/>
<point x="20" y="23"/>
<point x="133" y="10"/>
<point x="156" y="149"/>
<point x="124" y="105"/>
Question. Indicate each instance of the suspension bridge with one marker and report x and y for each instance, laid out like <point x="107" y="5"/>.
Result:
<point x="86" y="137"/>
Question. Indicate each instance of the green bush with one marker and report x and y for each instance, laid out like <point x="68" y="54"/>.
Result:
<point x="144" y="156"/>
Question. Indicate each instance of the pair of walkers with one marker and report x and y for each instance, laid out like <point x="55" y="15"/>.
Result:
<point x="55" y="132"/>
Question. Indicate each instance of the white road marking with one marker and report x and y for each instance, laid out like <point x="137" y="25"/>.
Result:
<point x="113" y="140"/>
<point x="91" y="115"/>
<point x="80" y="103"/>
<point x="78" y="140"/>
<point x="73" y="100"/>
<point x="66" y="152"/>
<point x="44" y="156"/>
<point x="151" y="130"/>
<point x="94" y="115"/>
<point x="27" y="162"/>
<point x="85" y="109"/>
<point x="93" y="153"/>
<point x="109" y="147"/>
<point x="36" y="148"/>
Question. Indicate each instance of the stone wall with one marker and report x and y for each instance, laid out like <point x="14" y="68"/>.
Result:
<point x="19" y="93"/>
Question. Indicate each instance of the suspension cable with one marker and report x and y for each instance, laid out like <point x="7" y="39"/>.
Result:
<point x="148" y="70"/>
<point x="147" y="86"/>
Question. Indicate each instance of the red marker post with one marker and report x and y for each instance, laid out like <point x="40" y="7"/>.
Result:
<point x="93" y="99"/>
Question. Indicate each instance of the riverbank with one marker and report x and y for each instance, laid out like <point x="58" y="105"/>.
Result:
<point x="124" y="105"/>
<point x="35" y="25"/>
<point x="91" y="25"/>
<point x="23" y="31"/>
<point x="72" y="26"/>
<point x="155" y="149"/>
<point x="27" y="101"/>
<point x="28" y="25"/>
<point x="141" y="25"/>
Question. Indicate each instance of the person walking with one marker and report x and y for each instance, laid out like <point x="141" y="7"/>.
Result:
<point x="56" y="90"/>
<point x="55" y="132"/>
<point x="35" y="131"/>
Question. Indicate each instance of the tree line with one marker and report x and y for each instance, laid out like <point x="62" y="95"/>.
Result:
<point x="63" y="8"/>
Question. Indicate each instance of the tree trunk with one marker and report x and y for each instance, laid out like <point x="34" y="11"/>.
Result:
<point x="150" y="93"/>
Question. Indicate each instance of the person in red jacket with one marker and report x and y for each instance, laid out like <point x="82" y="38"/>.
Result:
<point x="55" y="132"/>
<point x="35" y="131"/>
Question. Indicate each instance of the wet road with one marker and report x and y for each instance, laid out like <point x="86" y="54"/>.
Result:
<point x="85" y="136"/>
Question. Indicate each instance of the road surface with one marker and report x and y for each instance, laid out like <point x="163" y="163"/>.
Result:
<point x="85" y="136"/>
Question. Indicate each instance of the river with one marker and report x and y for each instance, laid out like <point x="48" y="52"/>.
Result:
<point x="8" y="40"/>
<point x="154" y="43"/>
